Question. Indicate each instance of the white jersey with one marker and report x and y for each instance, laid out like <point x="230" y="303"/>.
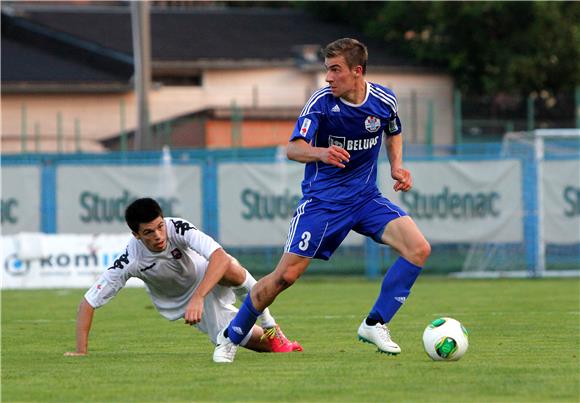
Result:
<point x="171" y="276"/>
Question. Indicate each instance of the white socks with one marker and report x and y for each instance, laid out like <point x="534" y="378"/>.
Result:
<point x="242" y="290"/>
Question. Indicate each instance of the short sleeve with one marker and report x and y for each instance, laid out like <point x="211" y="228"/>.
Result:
<point x="110" y="282"/>
<point x="305" y="128"/>
<point x="187" y="234"/>
<point x="309" y="120"/>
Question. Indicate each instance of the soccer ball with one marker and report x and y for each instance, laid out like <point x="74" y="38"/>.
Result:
<point x="445" y="339"/>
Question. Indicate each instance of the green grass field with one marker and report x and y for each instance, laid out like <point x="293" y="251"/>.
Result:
<point x="524" y="347"/>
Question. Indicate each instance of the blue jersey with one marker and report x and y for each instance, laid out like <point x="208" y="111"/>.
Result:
<point x="327" y="120"/>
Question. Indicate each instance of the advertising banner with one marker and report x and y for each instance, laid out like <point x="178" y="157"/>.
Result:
<point x="458" y="201"/>
<point x="34" y="260"/>
<point x="92" y="199"/>
<point x="257" y="201"/>
<point x="561" y="191"/>
<point x="20" y="199"/>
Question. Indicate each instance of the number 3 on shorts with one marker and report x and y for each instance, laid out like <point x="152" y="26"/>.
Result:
<point x="303" y="245"/>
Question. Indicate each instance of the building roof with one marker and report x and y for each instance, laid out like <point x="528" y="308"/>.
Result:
<point x="98" y="41"/>
<point x="206" y="33"/>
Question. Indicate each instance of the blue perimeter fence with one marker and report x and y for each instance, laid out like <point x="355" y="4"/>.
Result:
<point x="371" y="259"/>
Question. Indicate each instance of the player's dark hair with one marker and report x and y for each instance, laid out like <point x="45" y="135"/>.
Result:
<point x="355" y="53"/>
<point x="142" y="211"/>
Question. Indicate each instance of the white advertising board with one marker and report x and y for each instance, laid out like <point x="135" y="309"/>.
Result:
<point x="35" y="260"/>
<point x="20" y="199"/>
<point x="459" y="201"/>
<point x="451" y="201"/>
<point x="561" y="191"/>
<point x="92" y="199"/>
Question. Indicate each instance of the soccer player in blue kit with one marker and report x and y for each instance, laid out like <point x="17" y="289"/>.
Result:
<point x="338" y="136"/>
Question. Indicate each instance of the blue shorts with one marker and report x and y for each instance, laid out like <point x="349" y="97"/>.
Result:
<point x="318" y="228"/>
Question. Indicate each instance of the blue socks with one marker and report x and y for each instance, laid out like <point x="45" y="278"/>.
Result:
<point x="243" y="322"/>
<point x="395" y="289"/>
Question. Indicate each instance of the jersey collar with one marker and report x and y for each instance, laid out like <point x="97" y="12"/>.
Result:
<point x="367" y="89"/>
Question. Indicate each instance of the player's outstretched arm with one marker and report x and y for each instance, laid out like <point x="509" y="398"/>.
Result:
<point x="402" y="177"/>
<point x="84" y="321"/>
<point x="300" y="151"/>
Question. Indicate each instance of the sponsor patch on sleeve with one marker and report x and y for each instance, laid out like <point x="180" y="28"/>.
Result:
<point x="305" y="126"/>
<point x="393" y="126"/>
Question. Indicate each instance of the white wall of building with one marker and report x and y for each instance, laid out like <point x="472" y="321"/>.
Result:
<point x="100" y="115"/>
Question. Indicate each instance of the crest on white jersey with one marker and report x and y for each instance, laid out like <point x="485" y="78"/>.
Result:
<point x="176" y="253"/>
<point x="372" y="124"/>
<point x="336" y="141"/>
<point x="305" y="127"/>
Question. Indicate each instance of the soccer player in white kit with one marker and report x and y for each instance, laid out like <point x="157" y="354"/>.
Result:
<point x="187" y="275"/>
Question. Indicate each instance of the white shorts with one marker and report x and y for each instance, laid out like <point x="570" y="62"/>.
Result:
<point x="217" y="311"/>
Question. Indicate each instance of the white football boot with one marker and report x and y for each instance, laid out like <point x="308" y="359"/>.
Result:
<point x="380" y="336"/>
<point x="225" y="349"/>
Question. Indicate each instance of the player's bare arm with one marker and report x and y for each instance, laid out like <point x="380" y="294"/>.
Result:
<point x="219" y="262"/>
<point x="402" y="177"/>
<point x="301" y="151"/>
<point x="84" y="321"/>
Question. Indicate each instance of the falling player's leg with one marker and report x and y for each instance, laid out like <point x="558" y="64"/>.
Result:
<point x="264" y="292"/>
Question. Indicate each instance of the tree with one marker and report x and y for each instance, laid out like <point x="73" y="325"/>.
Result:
<point x="489" y="47"/>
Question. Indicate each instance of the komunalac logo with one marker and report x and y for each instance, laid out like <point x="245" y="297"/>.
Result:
<point x="98" y="208"/>
<point x="60" y="263"/>
<point x="259" y="205"/>
<point x="8" y="211"/>
<point x="451" y="205"/>
<point x="572" y="200"/>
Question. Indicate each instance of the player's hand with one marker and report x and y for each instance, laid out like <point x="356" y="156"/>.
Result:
<point x="403" y="180"/>
<point x="74" y="354"/>
<point x="194" y="310"/>
<point x="334" y="155"/>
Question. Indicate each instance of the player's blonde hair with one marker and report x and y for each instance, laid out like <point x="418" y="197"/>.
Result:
<point x="355" y="53"/>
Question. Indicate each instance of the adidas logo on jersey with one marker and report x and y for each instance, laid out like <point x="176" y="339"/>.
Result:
<point x="400" y="300"/>
<point x="335" y="109"/>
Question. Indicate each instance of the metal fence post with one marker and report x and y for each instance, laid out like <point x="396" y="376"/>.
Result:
<point x="59" y="145"/>
<point x="23" y="127"/>
<point x="530" y="113"/>
<point x="122" y="126"/>
<point x="37" y="137"/>
<point x="78" y="135"/>
<point x="429" y="126"/>
<point x="578" y="107"/>
<point x="457" y="117"/>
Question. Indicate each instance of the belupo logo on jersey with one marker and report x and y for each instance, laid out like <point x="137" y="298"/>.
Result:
<point x="372" y="124"/>
<point x="305" y="127"/>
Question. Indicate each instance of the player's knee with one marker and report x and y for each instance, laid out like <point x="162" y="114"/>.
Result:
<point x="422" y="252"/>
<point x="235" y="274"/>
